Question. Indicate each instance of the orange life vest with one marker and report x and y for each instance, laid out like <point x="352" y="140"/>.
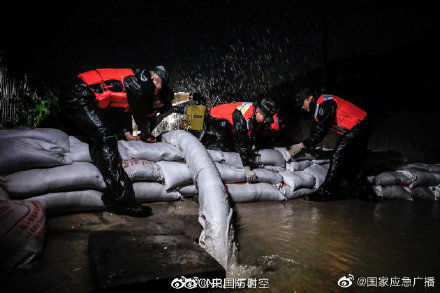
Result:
<point x="102" y="83"/>
<point x="347" y="114"/>
<point x="225" y="111"/>
<point x="275" y="124"/>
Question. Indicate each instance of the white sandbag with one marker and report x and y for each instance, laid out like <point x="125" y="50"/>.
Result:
<point x="153" y="191"/>
<point x="22" y="229"/>
<point x="71" y="201"/>
<point x="422" y="193"/>
<point x="175" y="174"/>
<point x="248" y="192"/>
<point x="317" y="171"/>
<point x="423" y="166"/>
<point x="298" y="179"/>
<point x="215" y="214"/>
<point x="274" y="168"/>
<point x="298" y="165"/>
<point x="284" y="152"/>
<point x="271" y="157"/>
<point x="3" y="194"/>
<point x="424" y="178"/>
<point x="393" y="192"/>
<point x="188" y="190"/>
<point x="400" y="177"/>
<point x="228" y="158"/>
<point x="320" y="161"/>
<point x="158" y="151"/>
<point x="18" y="154"/>
<point x="142" y="170"/>
<point x="291" y="193"/>
<point x="50" y="135"/>
<point x="266" y="176"/>
<point x="122" y="150"/>
<point x="79" y="151"/>
<point x="79" y="175"/>
<point x="230" y="174"/>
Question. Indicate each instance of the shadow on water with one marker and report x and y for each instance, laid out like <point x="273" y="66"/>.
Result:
<point x="306" y="247"/>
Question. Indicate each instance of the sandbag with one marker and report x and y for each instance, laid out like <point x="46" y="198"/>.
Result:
<point x="18" y="154"/>
<point x="266" y="176"/>
<point x="404" y="178"/>
<point x="424" y="178"/>
<point x="153" y="191"/>
<point x="142" y="170"/>
<point x="215" y="213"/>
<point x="50" y="135"/>
<point x="423" y="166"/>
<point x="122" y="150"/>
<point x="158" y="151"/>
<point x="230" y="174"/>
<point x="228" y="158"/>
<point x="248" y="192"/>
<point x="22" y="229"/>
<point x="298" y="165"/>
<point x="320" y="161"/>
<point x="284" y="152"/>
<point x="317" y="171"/>
<point x="291" y="193"/>
<point x="422" y="193"/>
<point x="393" y="192"/>
<point x="274" y="168"/>
<point x="175" y="174"/>
<point x="3" y="194"/>
<point x="271" y="157"/>
<point x="188" y="190"/>
<point x="298" y="179"/>
<point x="79" y="151"/>
<point x="79" y="175"/>
<point x="71" y="201"/>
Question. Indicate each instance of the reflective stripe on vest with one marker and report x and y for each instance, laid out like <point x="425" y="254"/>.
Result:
<point x="225" y="111"/>
<point x="104" y="95"/>
<point x="347" y="114"/>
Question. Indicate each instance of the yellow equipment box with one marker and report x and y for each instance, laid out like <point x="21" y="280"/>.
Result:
<point x="195" y="116"/>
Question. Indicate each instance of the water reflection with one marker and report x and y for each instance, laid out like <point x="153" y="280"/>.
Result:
<point x="307" y="246"/>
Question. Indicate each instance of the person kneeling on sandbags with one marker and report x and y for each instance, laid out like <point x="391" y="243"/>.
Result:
<point x="85" y="101"/>
<point x="344" y="118"/>
<point x="234" y="124"/>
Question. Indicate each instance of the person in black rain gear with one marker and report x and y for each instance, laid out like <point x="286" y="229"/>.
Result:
<point x="336" y="114"/>
<point x="85" y="102"/>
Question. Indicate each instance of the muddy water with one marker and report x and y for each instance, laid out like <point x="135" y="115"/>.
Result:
<point x="306" y="247"/>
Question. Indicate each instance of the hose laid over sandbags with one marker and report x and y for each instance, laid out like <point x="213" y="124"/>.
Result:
<point x="158" y="151"/>
<point x="79" y="175"/>
<point x="153" y="191"/>
<point x="50" y="135"/>
<point x="71" y="201"/>
<point x="18" y="154"/>
<point x="22" y="229"/>
<point x="249" y="192"/>
<point x="215" y="213"/>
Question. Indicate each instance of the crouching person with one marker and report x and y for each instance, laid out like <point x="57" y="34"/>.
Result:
<point x="85" y="102"/>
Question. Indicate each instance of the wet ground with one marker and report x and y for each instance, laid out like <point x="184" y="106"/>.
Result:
<point x="298" y="246"/>
<point x="307" y="247"/>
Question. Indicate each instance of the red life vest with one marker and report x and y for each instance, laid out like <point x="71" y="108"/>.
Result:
<point x="102" y="83"/>
<point x="225" y="111"/>
<point x="347" y="114"/>
<point x="275" y="124"/>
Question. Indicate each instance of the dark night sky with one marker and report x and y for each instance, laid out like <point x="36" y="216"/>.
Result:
<point x="230" y="47"/>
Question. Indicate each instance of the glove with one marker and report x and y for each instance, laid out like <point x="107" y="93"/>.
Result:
<point x="295" y="149"/>
<point x="250" y="175"/>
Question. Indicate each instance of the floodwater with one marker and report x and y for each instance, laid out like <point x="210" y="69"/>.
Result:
<point x="302" y="246"/>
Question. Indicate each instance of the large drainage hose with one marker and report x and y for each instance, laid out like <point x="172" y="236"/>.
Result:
<point x="215" y="213"/>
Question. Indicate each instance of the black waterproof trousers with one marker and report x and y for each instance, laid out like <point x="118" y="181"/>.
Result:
<point x="79" y="104"/>
<point x="348" y="156"/>
<point x="220" y="134"/>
